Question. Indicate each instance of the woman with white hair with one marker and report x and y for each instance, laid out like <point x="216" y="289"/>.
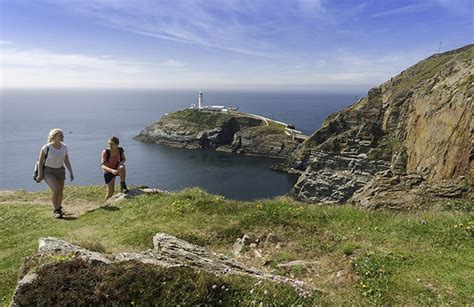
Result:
<point x="54" y="156"/>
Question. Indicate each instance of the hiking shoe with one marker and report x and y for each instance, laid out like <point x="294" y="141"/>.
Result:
<point x="123" y="188"/>
<point x="57" y="213"/>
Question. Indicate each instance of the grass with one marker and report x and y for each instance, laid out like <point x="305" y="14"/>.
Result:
<point x="277" y="125"/>
<point x="199" y="119"/>
<point x="359" y="256"/>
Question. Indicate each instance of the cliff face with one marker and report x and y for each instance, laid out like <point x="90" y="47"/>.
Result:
<point x="418" y="123"/>
<point x="225" y="131"/>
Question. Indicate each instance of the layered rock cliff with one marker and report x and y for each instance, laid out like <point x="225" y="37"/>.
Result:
<point x="418" y="125"/>
<point x="226" y="131"/>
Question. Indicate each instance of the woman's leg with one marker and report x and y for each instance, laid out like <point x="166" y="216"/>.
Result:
<point x="54" y="186"/>
<point x="110" y="188"/>
<point x="122" y="173"/>
<point x="60" y="192"/>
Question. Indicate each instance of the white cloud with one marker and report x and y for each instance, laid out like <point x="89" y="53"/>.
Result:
<point x="311" y="6"/>
<point x="238" y="26"/>
<point x="172" y="64"/>
<point x="38" y="58"/>
<point x="408" y="9"/>
<point x="44" y="68"/>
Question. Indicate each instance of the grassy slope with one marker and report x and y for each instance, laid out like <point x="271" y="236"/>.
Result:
<point x="381" y="256"/>
<point x="198" y="119"/>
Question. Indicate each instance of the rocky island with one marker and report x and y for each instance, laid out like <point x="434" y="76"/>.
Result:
<point x="229" y="131"/>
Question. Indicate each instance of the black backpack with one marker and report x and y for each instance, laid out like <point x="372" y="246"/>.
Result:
<point x="107" y="155"/>
<point x="37" y="166"/>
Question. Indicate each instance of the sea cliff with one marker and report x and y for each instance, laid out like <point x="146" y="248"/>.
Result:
<point x="410" y="139"/>
<point x="229" y="131"/>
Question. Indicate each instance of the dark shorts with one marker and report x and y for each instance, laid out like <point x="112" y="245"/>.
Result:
<point x="57" y="173"/>
<point x="108" y="177"/>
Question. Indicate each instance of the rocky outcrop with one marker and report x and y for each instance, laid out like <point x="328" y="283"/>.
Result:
<point x="168" y="252"/>
<point x="406" y="192"/>
<point x="262" y="141"/>
<point x="418" y="123"/>
<point x="334" y="178"/>
<point x="225" y="131"/>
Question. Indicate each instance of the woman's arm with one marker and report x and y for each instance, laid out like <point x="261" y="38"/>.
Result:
<point x="41" y="159"/>
<point x="122" y="162"/>
<point x="106" y="168"/>
<point x="68" y="166"/>
<point x="109" y="170"/>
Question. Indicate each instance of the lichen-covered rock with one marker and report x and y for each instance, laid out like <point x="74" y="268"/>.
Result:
<point x="168" y="252"/>
<point x="51" y="245"/>
<point x="420" y="122"/>
<point x="180" y="251"/>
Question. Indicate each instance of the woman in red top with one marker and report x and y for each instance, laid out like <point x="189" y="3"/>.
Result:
<point x="113" y="164"/>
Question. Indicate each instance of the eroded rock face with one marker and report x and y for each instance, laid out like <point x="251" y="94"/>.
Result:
<point x="418" y="123"/>
<point x="407" y="191"/>
<point x="168" y="252"/>
<point x="332" y="178"/>
<point x="264" y="142"/>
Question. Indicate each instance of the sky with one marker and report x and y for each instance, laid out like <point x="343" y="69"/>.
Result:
<point x="321" y="45"/>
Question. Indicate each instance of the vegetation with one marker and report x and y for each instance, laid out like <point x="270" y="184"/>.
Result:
<point x="428" y="68"/>
<point x="73" y="282"/>
<point x="357" y="256"/>
<point x="277" y="125"/>
<point x="199" y="119"/>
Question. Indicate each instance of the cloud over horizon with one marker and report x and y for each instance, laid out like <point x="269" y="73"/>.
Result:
<point x="233" y="43"/>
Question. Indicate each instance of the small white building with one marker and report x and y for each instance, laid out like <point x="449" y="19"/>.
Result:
<point x="200" y="105"/>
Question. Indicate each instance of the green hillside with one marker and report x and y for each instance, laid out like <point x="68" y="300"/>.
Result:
<point x="356" y="256"/>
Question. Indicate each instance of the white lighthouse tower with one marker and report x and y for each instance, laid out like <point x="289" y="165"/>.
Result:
<point x="200" y="100"/>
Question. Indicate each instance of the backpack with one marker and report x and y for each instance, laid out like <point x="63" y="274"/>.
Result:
<point x="107" y="155"/>
<point x="37" y="166"/>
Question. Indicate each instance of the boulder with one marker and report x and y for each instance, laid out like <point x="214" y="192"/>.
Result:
<point x="168" y="252"/>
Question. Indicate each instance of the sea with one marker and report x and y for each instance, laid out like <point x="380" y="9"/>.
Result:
<point x="89" y="117"/>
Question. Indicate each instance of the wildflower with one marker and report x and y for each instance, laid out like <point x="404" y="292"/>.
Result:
<point x="214" y="286"/>
<point x="265" y="292"/>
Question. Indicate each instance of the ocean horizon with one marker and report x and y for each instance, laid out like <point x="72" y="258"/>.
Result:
<point x="89" y="117"/>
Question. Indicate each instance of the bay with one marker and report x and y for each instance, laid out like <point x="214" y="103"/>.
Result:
<point x="89" y="117"/>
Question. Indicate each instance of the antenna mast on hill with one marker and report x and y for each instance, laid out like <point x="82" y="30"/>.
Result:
<point x="439" y="47"/>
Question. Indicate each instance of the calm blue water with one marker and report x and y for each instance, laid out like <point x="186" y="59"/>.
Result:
<point x="89" y="117"/>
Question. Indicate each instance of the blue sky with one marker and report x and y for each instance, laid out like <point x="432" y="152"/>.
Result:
<point x="223" y="44"/>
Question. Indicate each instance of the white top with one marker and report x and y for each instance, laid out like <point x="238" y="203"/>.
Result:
<point x="55" y="156"/>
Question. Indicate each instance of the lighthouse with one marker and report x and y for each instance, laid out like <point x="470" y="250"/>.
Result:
<point x="200" y="100"/>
